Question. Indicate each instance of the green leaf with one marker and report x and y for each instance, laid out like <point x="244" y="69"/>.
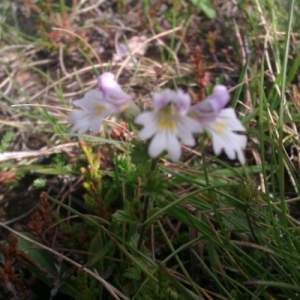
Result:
<point x="134" y="240"/>
<point x="39" y="182"/>
<point x="276" y="284"/>
<point x="139" y="153"/>
<point x="133" y="273"/>
<point x="96" y="246"/>
<point x="154" y="212"/>
<point x="46" y="170"/>
<point x="5" y="141"/>
<point x="205" y="5"/>
<point x="123" y="216"/>
<point x="47" y="261"/>
<point x="184" y="292"/>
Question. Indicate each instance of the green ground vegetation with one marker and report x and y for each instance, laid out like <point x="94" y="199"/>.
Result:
<point x="73" y="207"/>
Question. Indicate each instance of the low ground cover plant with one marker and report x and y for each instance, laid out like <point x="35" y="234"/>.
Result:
<point x="149" y="149"/>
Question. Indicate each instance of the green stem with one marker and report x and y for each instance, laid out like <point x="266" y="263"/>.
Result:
<point x="145" y="210"/>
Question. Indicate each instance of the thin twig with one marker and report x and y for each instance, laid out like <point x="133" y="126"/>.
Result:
<point x="24" y="154"/>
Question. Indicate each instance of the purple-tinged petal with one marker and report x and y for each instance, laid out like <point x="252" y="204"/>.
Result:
<point x="220" y="97"/>
<point x="183" y="101"/>
<point x="210" y="107"/>
<point x="114" y="94"/>
<point x="108" y="84"/>
<point x="100" y="104"/>
<point x="119" y="98"/>
<point x="179" y="98"/>
<point x="161" y="99"/>
<point x="168" y="123"/>
<point x="122" y="49"/>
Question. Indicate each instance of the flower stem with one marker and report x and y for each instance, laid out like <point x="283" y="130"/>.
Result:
<point x="145" y="209"/>
<point x="143" y="229"/>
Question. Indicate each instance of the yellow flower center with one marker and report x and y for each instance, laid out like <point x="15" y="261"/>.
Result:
<point x="192" y="115"/>
<point x="166" y="123"/>
<point x="219" y="127"/>
<point x="99" y="109"/>
<point x="166" y="117"/>
<point x="125" y="107"/>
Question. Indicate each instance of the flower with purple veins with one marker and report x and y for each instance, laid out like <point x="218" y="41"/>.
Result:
<point x="167" y="123"/>
<point x="98" y="105"/>
<point x="221" y="123"/>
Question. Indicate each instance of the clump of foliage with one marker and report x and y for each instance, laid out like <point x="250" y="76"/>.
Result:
<point x="110" y="219"/>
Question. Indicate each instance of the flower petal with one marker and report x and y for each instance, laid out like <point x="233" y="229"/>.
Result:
<point x="240" y="153"/>
<point x="148" y="119"/>
<point x="118" y="97"/>
<point x="165" y="140"/>
<point x="95" y="125"/>
<point x="81" y="120"/>
<point x="185" y="127"/>
<point x="161" y="99"/>
<point x="114" y="94"/>
<point x="85" y="119"/>
<point x="131" y="108"/>
<point x="186" y="123"/>
<point x="89" y="99"/>
<point x="228" y="115"/>
<point x="224" y="137"/>
<point x="145" y="118"/>
<point x="158" y="144"/>
<point x="173" y="146"/>
<point x="108" y="84"/>
<point x="188" y="139"/>
<point x="208" y="109"/>
<point x="147" y="132"/>
<point x="100" y="104"/>
<point x="182" y="101"/>
<point x="168" y="122"/>
<point x="219" y="97"/>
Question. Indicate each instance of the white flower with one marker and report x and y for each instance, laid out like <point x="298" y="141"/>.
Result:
<point x="100" y="104"/>
<point x="221" y="123"/>
<point x="167" y="122"/>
